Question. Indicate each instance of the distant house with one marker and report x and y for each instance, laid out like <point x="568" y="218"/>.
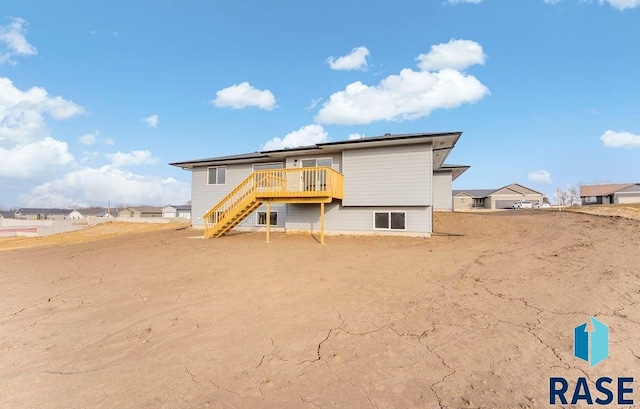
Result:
<point x="37" y="213"/>
<point x="7" y="214"/>
<point x="141" y="211"/>
<point x="179" y="211"/>
<point x="75" y="215"/>
<point x="610" y="193"/>
<point x="501" y="198"/>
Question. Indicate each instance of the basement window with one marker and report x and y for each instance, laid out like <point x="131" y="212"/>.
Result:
<point x="389" y="220"/>
<point x="262" y="219"/>
<point x="217" y="175"/>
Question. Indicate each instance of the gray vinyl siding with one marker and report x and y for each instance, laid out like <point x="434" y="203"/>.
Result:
<point x="252" y="220"/>
<point x="388" y="176"/>
<point x="340" y="219"/>
<point x="442" y="198"/>
<point x="204" y="196"/>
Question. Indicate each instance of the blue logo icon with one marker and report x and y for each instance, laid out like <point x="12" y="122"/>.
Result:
<point x="599" y="342"/>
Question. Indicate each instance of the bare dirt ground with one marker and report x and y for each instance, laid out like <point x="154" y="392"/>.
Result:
<point x="159" y="320"/>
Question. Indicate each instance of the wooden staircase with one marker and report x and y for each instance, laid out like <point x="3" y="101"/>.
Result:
<point x="290" y="185"/>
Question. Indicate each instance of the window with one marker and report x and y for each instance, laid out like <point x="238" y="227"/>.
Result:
<point x="389" y="220"/>
<point x="217" y="175"/>
<point x="262" y="219"/>
<point x="272" y="165"/>
<point x="463" y="200"/>
<point x="591" y="199"/>
<point x="312" y="163"/>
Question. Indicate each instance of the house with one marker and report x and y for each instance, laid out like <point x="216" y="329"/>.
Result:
<point x="179" y="211"/>
<point x="380" y="185"/>
<point x="75" y="215"/>
<point x="31" y="213"/>
<point x="7" y="214"/>
<point x="610" y="193"/>
<point x="140" y="211"/>
<point x="501" y="198"/>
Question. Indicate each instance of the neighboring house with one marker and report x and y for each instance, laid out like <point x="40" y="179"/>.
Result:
<point x="381" y="185"/>
<point x="75" y="215"/>
<point x="610" y="194"/>
<point x="501" y="198"/>
<point x="7" y="214"/>
<point x="179" y="211"/>
<point x="141" y="211"/>
<point x="30" y="213"/>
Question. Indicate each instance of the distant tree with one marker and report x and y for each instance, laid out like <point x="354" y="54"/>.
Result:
<point x="569" y="196"/>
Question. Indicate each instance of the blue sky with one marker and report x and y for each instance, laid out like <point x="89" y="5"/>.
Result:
<point x="97" y="97"/>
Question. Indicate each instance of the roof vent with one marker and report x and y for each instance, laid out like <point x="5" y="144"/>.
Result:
<point x="387" y="134"/>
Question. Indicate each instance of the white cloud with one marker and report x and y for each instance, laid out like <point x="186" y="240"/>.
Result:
<point x="90" y="186"/>
<point x="124" y="159"/>
<point x="314" y="103"/>
<point x="456" y="54"/>
<point x="307" y="135"/>
<point x="464" y="1"/>
<point x="356" y="60"/>
<point x="622" y="4"/>
<point x="354" y="136"/>
<point x="13" y="41"/>
<point x="621" y="139"/>
<point x="411" y="94"/>
<point x="540" y="176"/>
<point x="89" y="138"/>
<point x="243" y="95"/>
<point x="34" y="158"/>
<point x="109" y="141"/>
<point x="26" y="147"/>
<point x="22" y="113"/>
<point x="152" y="121"/>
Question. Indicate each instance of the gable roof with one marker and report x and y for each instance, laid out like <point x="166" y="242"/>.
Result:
<point x="443" y="143"/>
<point x="41" y="210"/>
<point x="482" y="193"/>
<point x="475" y="193"/>
<point x="6" y="214"/>
<point x="145" y="209"/>
<point x="602" y="190"/>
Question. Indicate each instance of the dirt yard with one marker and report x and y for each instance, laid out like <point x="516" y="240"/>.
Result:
<point x="158" y="319"/>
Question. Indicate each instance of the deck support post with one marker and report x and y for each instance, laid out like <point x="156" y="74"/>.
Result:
<point x="268" y="220"/>
<point x="322" y="223"/>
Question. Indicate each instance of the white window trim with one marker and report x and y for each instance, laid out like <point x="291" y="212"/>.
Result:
<point x="316" y="159"/>
<point x="225" y="176"/>
<point x="462" y="199"/>
<point x="389" y="213"/>
<point x="264" y="211"/>
<point x="282" y="165"/>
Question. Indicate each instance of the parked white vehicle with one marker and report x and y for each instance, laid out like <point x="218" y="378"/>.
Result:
<point x="523" y="204"/>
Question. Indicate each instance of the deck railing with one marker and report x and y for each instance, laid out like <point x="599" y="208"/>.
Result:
<point x="279" y="184"/>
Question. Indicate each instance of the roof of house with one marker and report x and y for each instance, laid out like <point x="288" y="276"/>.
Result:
<point x="443" y="143"/>
<point x="456" y="170"/>
<point x="482" y="193"/>
<point x="145" y="209"/>
<point x="42" y="210"/>
<point x="475" y="193"/>
<point x="602" y="190"/>
<point x="7" y="214"/>
<point x="182" y="207"/>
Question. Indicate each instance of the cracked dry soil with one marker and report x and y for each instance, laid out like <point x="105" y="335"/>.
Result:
<point x="157" y="320"/>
